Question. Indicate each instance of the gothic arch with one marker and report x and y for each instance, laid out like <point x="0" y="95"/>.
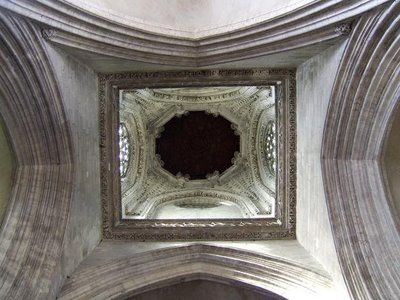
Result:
<point x="138" y="273"/>
<point x="33" y="228"/>
<point x="363" y="101"/>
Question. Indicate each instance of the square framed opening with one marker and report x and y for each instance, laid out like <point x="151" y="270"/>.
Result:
<point x="198" y="155"/>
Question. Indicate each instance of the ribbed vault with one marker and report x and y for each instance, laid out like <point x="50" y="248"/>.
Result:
<point x="220" y="131"/>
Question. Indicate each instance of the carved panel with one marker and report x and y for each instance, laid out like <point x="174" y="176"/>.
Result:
<point x="246" y="110"/>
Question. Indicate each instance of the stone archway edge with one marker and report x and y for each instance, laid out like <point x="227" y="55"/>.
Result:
<point x="363" y="101"/>
<point x="135" y="274"/>
<point x="34" y="225"/>
<point x="71" y="26"/>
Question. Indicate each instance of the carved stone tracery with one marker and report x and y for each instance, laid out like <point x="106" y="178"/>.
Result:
<point x="270" y="147"/>
<point x="124" y="150"/>
<point x="241" y="106"/>
<point x="247" y="97"/>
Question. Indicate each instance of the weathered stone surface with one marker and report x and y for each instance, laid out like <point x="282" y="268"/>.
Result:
<point x="55" y="136"/>
<point x="78" y="86"/>
<point x="391" y="160"/>
<point x="133" y="272"/>
<point x="315" y="79"/>
<point x="36" y="240"/>
<point x="76" y="28"/>
<point x="33" y="230"/>
<point x="364" y="99"/>
<point x="6" y="170"/>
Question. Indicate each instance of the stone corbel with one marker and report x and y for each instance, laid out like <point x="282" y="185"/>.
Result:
<point x="213" y="111"/>
<point x="343" y="29"/>
<point x="214" y="178"/>
<point x="181" y="111"/>
<point x="182" y="179"/>
<point x="238" y="160"/>
<point x="155" y="131"/>
<point x="158" y="131"/>
<point x="48" y="33"/>
<point x="159" y="161"/>
<point x="235" y="128"/>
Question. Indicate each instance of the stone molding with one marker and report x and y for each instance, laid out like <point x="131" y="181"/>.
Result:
<point x="283" y="223"/>
<point x="158" y="268"/>
<point x="364" y="98"/>
<point x="366" y="238"/>
<point x="34" y="226"/>
<point x="76" y="28"/>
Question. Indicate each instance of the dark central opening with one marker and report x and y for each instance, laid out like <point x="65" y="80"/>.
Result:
<point x="197" y="144"/>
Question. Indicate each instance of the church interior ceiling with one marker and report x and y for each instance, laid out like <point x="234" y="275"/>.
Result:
<point x="149" y="189"/>
<point x="246" y="146"/>
<point x="198" y="153"/>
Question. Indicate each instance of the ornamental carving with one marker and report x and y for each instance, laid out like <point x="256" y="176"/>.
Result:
<point x="263" y="201"/>
<point x="242" y="191"/>
<point x="124" y="152"/>
<point x="343" y="29"/>
<point x="270" y="147"/>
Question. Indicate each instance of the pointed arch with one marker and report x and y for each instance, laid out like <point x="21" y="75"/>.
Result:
<point x="363" y="101"/>
<point x="33" y="228"/>
<point x="141" y="272"/>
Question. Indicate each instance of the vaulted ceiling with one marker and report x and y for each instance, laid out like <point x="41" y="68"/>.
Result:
<point x="347" y="72"/>
<point x="191" y="19"/>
